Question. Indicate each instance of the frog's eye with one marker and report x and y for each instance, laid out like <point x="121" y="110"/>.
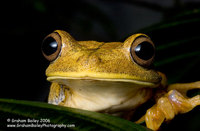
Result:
<point x="51" y="46"/>
<point x="143" y="51"/>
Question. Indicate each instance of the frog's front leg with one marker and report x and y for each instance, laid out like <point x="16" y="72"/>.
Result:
<point x="170" y="104"/>
<point x="57" y="94"/>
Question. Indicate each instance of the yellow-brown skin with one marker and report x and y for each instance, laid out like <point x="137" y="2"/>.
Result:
<point x="98" y="59"/>
<point x="104" y="77"/>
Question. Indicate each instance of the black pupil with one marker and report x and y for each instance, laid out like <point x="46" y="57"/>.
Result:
<point x="49" y="46"/>
<point x="144" y="50"/>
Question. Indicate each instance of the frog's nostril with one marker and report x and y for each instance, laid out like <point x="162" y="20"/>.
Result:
<point x="86" y="61"/>
<point x="94" y="59"/>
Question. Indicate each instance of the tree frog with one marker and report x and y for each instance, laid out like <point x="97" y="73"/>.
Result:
<point x="113" y="78"/>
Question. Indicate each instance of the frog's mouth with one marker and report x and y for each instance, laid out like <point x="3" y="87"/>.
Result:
<point x="153" y="82"/>
<point x="60" y="80"/>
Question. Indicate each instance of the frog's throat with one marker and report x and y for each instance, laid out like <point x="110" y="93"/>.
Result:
<point x="102" y="96"/>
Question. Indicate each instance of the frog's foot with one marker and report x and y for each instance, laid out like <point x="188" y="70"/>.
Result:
<point x="183" y="88"/>
<point x="57" y="94"/>
<point x="167" y="107"/>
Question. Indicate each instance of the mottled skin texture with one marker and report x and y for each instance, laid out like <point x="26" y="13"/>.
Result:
<point x="95" y="58"/>
<point x="103" y="77"/>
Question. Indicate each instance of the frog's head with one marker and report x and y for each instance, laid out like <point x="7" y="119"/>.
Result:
<point x="129" y="61"/>
<point x="98" y="76"/>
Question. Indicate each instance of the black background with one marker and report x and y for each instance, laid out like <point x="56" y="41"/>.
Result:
<point x="24" y="24"/>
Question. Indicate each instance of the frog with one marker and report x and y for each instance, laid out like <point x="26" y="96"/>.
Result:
<point x="114" y="78"/>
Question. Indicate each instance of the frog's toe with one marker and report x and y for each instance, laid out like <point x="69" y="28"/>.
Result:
<point x="167" y="107"/>
<point x="183" y="88"/>
<point x="57" y="94"/>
